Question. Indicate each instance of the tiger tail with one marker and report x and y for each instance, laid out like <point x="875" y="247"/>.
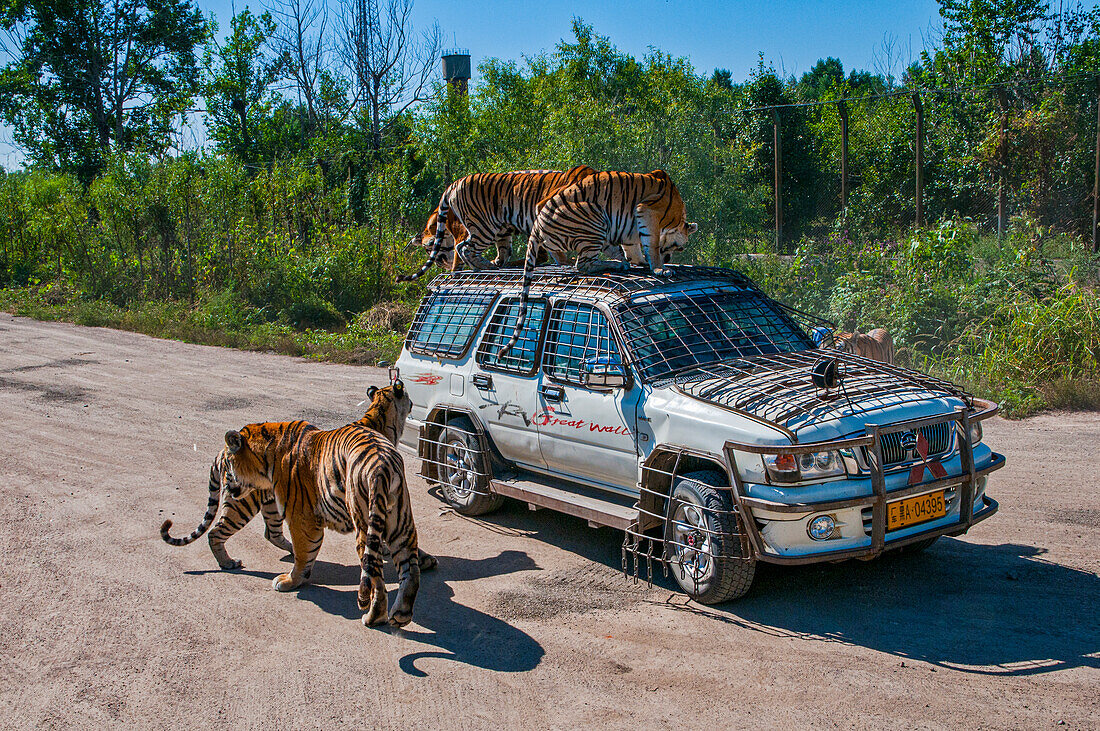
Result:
<point x="211" y="511"/>
<point x="437" y="242"/>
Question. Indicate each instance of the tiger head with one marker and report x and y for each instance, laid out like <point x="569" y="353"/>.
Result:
<point x="674" y="226"/>
<point x="246" y="463"/>
<point x="426" y="238"/>
<point x="389" y="408"/>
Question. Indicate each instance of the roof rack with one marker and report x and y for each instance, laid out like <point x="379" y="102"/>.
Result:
<point x="606" y="285"/>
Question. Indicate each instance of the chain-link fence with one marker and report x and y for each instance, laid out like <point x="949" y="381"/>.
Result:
<point x="884" y="163"/>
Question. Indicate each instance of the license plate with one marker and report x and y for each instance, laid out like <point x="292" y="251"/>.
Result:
<point x="913" y="510"/>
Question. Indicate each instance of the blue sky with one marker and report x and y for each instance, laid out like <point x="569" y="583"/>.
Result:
<point x="792" y="34"/>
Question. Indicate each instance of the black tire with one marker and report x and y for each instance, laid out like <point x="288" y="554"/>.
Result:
<point x="459" y="459"/>
<point x="718" y="572"/>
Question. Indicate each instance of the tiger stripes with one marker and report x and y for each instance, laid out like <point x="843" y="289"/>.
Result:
<point x="480" y="210"/>
<point x="876" y="344"/>
<point x="640" y="214"/>
<point x="236" y="514"/>
<point x="346" y="479"/>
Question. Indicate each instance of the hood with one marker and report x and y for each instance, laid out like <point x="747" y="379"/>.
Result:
<point x="779" y="389"/>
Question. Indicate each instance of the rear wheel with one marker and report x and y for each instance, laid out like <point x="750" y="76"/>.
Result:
<point x="460" y="468"/>
<point x="702" y="540"/>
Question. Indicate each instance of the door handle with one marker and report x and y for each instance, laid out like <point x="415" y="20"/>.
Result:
<point x="552" y="393"/>
<point x="482" y="381"/>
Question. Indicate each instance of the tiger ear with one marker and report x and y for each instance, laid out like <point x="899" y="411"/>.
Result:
<point x="371" y="391"/>
<point x="398" y="387"/>
<point x="660" y="174"/>
<point x="691" y="228"/>
<point x="233" y="441"/>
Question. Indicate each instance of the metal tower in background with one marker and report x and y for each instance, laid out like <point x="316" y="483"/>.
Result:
<point x="456" y="69"/>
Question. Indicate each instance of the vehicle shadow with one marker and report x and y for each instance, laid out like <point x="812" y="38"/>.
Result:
<point x="995" y="610"/>
<point x="988" y="609"/>
<point x="602" y="545"/>
<point x="462" y="634"/>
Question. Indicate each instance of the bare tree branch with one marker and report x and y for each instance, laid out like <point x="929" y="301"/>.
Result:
<point x="388" y="63"/>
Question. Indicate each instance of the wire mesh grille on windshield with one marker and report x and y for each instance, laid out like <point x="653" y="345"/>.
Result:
<point x="670" y="332"/>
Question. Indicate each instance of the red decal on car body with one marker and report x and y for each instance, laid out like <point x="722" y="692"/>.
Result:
<point x="429" y="378"/>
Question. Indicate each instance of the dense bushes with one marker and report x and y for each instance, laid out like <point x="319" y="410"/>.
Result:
<point x="1018" y="320"/>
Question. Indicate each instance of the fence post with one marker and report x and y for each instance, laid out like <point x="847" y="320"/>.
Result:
<point x="1096" y="178"/>
<point x="918" y="147"/>
<point x="778" y="181"/>
<point x="1002" y="174"/>
<point x="842" y="110"/>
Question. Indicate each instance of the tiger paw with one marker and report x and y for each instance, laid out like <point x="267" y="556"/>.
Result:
<point x="374" y="616"/>
<point x="400" y="618"/>
<point x="427" y="561"/>
<point x="284" y="582"/>
<point x="230" y="564"/>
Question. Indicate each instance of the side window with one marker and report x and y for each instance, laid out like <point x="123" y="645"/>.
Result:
<point x="576" y="332"/>
<point x="446" y="322"/>
<point x="521" y="358"/>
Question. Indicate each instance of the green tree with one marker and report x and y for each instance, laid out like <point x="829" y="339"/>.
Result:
<point x="238" y="91"/>
<point x="91" y="76"/>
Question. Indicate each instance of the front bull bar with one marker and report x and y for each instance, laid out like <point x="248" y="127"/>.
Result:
<point x="879" y="498"/>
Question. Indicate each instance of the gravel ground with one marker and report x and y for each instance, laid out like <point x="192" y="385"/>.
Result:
<point x="527" y="622"/>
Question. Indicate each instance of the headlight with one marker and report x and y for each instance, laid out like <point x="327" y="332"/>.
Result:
<point x="808" y="466"/>
<point x="975" y="432"/>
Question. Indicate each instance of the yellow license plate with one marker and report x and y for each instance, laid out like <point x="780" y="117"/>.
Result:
<point x="913" y="510"/>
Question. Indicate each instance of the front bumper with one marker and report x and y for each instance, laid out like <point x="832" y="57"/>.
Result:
<point x="775" y="531"/>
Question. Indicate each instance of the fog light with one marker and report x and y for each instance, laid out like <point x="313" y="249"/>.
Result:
<point x="821" y="528"/>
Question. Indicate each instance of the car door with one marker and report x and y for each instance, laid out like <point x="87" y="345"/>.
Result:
<point x="585" y="434"/>
<point x="508" y="386"/>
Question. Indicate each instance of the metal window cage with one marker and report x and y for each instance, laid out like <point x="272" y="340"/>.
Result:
<point x="575" y="333"/>
<point x="445" y="325"/>
<point x="671" y="332"/>
<point x="521" y="358"/>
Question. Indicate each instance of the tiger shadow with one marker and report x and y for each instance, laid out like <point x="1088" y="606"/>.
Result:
<point x="462" y="634"/>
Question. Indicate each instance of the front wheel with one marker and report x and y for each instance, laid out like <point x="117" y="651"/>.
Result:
<point x="460" y="468"/>
<point x="703" y="543"/>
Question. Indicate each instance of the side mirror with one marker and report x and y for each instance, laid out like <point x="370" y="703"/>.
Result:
<point x="603" y="373"/>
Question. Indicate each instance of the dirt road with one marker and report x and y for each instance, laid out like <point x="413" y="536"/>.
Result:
<point x="527" y="622"/>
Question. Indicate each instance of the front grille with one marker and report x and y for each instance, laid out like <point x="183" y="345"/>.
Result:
<point x="938" y="437"/>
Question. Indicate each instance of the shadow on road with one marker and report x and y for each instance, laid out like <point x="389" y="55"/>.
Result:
<point x="461" y="633"/>
<point x="997" y="610"/>
<point x="991" y="609"/>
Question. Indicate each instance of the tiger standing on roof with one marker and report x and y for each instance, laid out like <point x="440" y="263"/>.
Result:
<point x="642" y="213"/>
<point x="347" y="479"/>
<point x="478" y="211"/>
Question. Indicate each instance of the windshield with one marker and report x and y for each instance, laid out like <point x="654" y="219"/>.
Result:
<point x="671" y="332"/>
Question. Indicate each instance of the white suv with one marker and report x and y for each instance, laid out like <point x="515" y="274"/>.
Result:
<point x="694" y="413"/>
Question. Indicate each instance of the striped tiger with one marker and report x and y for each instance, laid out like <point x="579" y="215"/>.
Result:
<point x="485" y="209"/>
<point x="347" y="479"/>
<point x="641" y="213"/>
<point x="382" y="415"/>
<point x="876" y="344"/>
